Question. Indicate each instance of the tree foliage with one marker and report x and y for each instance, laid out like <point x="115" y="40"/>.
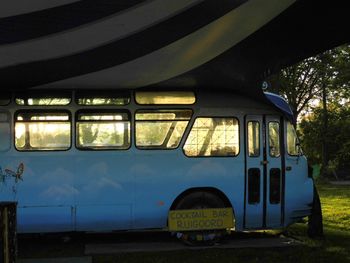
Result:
<point x="303" y="82"/>
<point x="318" y="90"/>
<point x="311" y="130"/>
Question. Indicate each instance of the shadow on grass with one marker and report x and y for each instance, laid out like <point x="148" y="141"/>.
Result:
<point x="335" y="247"/>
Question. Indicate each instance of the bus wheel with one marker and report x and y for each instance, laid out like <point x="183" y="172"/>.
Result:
<point x="201" y="200"/>
<point x="315" y="224"/>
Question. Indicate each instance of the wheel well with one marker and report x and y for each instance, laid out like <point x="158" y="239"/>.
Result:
<point x="212" y="190"/>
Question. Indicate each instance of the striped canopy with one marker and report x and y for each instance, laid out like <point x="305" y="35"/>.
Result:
<point x="70" y="44"/>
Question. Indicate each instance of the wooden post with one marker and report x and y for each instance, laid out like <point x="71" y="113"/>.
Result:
<point x="8" y="237"/>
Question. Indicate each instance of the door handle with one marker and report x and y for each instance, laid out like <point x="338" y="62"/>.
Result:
<point x="264" y="162"/>
<point x="288" y="168"/>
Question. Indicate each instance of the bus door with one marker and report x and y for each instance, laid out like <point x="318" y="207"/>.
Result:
<point x="274" y="154"/>
<point x="263" y="172"/>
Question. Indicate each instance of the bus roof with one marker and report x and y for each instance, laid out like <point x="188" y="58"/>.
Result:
<point x="281" y="104"/>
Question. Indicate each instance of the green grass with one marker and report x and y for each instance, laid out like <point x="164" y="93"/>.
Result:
<point x="336" y="206"/>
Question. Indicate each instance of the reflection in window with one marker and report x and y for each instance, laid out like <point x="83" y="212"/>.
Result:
<point x="42" y="101"/>
<point x="274" y="139"/>
<point x="213" y="137"/>
<point x="5" y="134"/>
<point x="253" y="138"/>
<point x="293" y="147"/>
<point x="42" y="131"/>
<point x="161" y="128"/>
<point x="98" y="131"/>
<point x="165" y="97"/>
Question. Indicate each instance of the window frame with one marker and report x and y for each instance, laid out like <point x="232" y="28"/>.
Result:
<point x="161" y="109"/>
<point x="214" y="156"/>
<point x="53" y="111"/>
<point x="101" y="111"/>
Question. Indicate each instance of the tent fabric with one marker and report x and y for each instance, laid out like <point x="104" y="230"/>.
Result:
<point x="226" y="44"/>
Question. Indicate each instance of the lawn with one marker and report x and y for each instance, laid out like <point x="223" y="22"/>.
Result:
<point x="334" y="248"/>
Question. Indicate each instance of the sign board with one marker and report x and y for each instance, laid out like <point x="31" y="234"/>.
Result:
<point x="200" y="219"/>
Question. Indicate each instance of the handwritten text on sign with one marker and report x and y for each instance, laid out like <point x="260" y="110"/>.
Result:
<point x="200" y="219"/>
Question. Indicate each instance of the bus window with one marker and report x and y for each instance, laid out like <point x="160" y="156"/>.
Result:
<point x="42" y="131"/>
<point x="5" y="98"/>
<point x="99" y="131"/>
<point x="5" y="136"/>
<point x="254" y="185"/>
<point x="275" y="186"/>
<point x="102" y="98"/>
<point x="161" y="129"/>
<point x="274" y="139"/>
<point x="253" y="138"/>
<point x="293" y="147"/>
<point x="165" y="97"/>
<point x="213" y="137"/>
<point x="42" y="101"/>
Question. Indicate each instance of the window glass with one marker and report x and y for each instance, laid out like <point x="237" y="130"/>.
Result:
<point x="253" y="138"/>
<point x="275" y="186"/>
<point x="4" y="117"/>
<point x="293" y="147"/>
<point x="94" y="98"/>
<point x="253" y="186"/>
<point x="42" y="131"/>
<point x="5" y="98"/>
<point x="98" y="131"/>
<point x="103" y="101"/>
<point x="165" y="97"/>
<point x="51" y="101"/>
<point x="161" y="128"/>
<point x="274" y="139"/>
<point x="5" y="134"/>
<point x="213" y="137"/>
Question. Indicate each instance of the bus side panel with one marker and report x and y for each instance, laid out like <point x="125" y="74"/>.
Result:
<point x="44" y="191"/>
<point x="103" y="217"/>
<point x="104" y="190"/>
<point x="160" y="176"/>
<point x="33" y="219"/>
<point x="299" y="190"/>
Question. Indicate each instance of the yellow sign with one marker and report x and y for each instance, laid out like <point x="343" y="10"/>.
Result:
<point x="200" y="219"/>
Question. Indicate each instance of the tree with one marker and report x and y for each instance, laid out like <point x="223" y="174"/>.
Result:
<point x="299" y="84"/>
<point x="338" y="134"/>
<point x="324" y="78"/>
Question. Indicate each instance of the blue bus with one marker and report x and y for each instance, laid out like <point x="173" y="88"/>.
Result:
<point x="108" y="160"/>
